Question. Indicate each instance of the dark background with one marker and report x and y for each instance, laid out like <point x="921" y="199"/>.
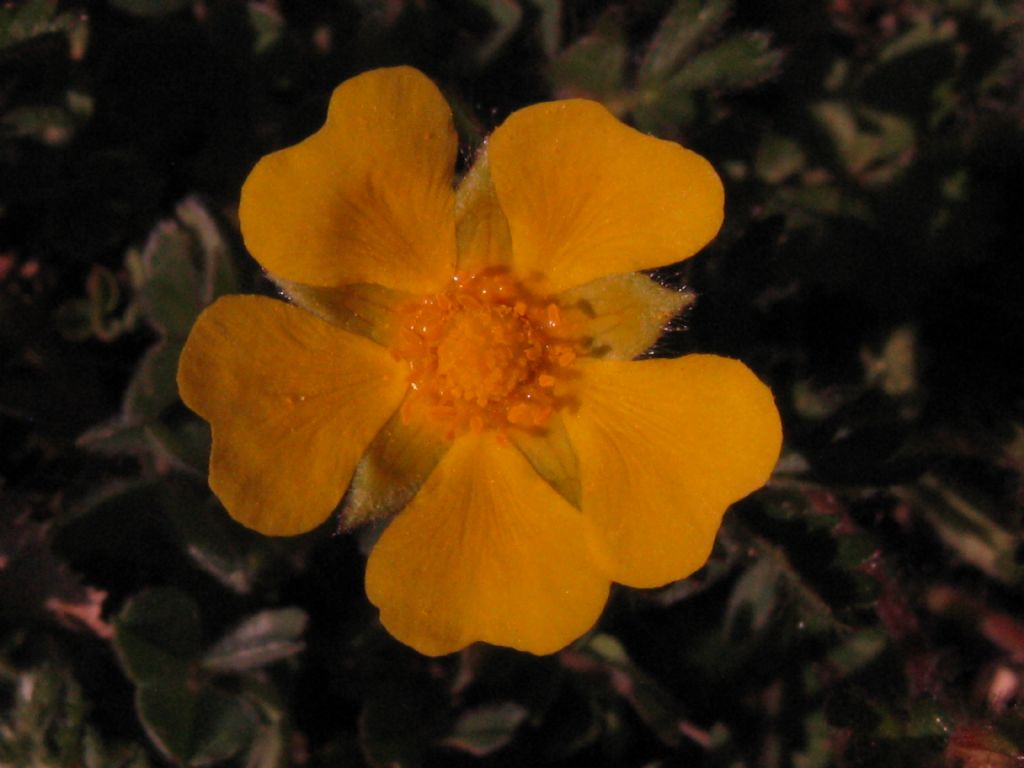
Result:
<point x="863" y="609"/>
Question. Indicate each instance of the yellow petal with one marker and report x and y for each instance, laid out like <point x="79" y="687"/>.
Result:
<point x="368" y="197"/>
<point x="486" y="551"/>
<point x="480" y="226"/>
<point x="292" y="401"/>
<point x="621" y="316"/>
<point x="586" y="196"/>
<point x="664" y="447"/>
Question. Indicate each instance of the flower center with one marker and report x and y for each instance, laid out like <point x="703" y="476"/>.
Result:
<point x="485" y="354"/>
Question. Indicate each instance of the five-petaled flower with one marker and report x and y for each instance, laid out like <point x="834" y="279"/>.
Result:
<point x="466" y="358"/>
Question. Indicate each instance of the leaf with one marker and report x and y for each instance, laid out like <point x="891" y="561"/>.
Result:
<point x="44" y="722"/>
<point x="871" y="144"/>
<point x="485" y="730"/>
<point x="150" y="8"/>
<point x="269" y="749"/>
<point x="965" y="527"/>
<point x="680" y="34"/>
<point x="593" y="67"/>
<point x="20" y="22"/>
<point x="549" y="26"/>
<point x="114" y="438"/>
<point x="738" y="62"/>
<point x="267" y="25"/>
<point x="184" y="443"/>
<point x="778" y="158"/>
<point x="49" y="125"/>
<point x="217" y="267"/>
<point x="153" y="388"/>
<point x="754" y="598"/>
<point x="171" y="294"/>
<point x="185" y="265"/>
<point x="194" y="727"/>
<point x="260" y="640"/>
<point x="655" y="705"/>
<point x="233" y="555"/>
<point x="979" y="745"/>
<point x="157" y="636"/>
<point x="506" y="16"/>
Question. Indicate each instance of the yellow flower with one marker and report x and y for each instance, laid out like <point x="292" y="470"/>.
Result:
<point x="466" y="356"/>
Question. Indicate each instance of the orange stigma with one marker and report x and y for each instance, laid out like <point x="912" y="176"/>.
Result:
<point x="485" y="354"/>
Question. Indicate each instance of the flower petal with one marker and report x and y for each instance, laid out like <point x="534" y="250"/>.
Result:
<point x="621" y="316"/>
<point x="292" y="401"/>
<point x="664" y="447"/>
<point x="486" y="551"/>
<point x="587" y="196"/>
<point x="368" y="197"/>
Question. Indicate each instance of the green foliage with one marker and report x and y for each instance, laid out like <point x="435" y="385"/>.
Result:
<point x="198" y="707"/>
<point x="863" y="610"/>
<point x="47" y="722"/>
<point x="183" y="267"/>
<point x="683" y="63"/>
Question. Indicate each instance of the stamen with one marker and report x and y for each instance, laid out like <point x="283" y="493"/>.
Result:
<point x="485" y="354"/>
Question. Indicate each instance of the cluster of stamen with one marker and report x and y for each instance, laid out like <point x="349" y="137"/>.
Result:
<point x="485" y="354"/>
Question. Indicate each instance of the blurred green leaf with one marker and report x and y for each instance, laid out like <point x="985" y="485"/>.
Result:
<point x="28" y="19"/>
<point x="656" y="706"/>
<point x="269" y="749"/>
<point x="157" y="637"/>
<point x="185" y="265"/>
<point x="114" y="438"/>
<point x="680" y="34"/>
<point x="183" y="442"/>
<point x="871" y="144"/>
<point x="217" y="268"/>
<point x="778" y="158"/>
<point x="485" y="730"/>
<point x="593" y="67"/>
<point x="45" y="723"/>
<point x="506" y="16"/>
<point x="232" y="555"/>
<point x="50" y="125"/>
<point x="267" y="25"/>
<point x="816" y="205"/>
<point x="858" y="650"/>
<point x="754" y="598"/>
<point x="914" y="73"/>
<point x="150" y="8"/>
<point x="171" y="294"/>
<point x="737" y="62"/>
<point x="549" y="26"/>
<point x="194" y="727"/>
<point x="262" y="639"/>
<point x="966" y="528"/>
<point x="153" y="388"/>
